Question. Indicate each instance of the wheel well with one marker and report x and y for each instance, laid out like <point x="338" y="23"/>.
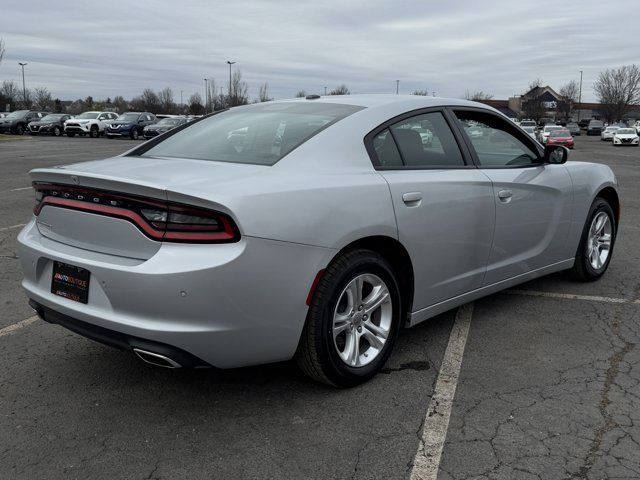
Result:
<point x="611" y="196"/>
<point x="395" y="253"/>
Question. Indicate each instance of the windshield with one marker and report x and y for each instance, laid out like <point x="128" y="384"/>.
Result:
<point x="626" y="130"/>
<point x="128" y="117"/>
<point x="259" y="134"/>
<point x="17" y="114"/>
<point x="87" y="115"/>
<point x="52" y="118"/>
<point x="529" y="129"/>
<point x="169" y="121"/>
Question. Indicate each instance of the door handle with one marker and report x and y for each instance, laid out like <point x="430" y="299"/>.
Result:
<point x="412" y="199"/>
<point x="505" y="195"/>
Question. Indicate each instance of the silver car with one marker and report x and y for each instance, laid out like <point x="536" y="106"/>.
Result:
<point x="316" y="234"/>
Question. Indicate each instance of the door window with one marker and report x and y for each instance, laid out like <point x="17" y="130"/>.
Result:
<point x="497" y="143"/>
<point x="422" y="141"/>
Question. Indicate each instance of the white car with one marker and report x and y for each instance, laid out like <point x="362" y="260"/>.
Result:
<point x="637" y="127"/>
<point x="626" y="136"/>
<point x="608" y="132"/>
<point x="531" y="131"/>
<point x="546" y="131"/>
<point x="89" y="123"/>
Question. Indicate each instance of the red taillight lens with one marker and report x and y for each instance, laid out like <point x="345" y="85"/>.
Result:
<point x="157" y="219"/>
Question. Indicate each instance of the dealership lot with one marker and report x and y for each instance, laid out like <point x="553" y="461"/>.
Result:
<point x="549" y="385"/>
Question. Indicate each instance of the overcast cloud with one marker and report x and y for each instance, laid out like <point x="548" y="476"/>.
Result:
<point x="108" y="48"/>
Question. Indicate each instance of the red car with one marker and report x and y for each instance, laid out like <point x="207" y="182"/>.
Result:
<point x="560" y="137"/>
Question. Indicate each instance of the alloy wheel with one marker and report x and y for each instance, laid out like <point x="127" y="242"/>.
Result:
<point x="599" y="244"/>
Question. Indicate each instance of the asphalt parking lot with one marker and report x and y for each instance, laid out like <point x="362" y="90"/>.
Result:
<point x="549" y="386"/>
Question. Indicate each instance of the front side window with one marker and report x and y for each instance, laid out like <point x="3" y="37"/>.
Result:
<point x="258" y="134"/>
<point x="422" y="141"/>
<point x="495" y="141"/>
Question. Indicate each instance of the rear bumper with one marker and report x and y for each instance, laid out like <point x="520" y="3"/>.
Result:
<point x="229" y="305"/>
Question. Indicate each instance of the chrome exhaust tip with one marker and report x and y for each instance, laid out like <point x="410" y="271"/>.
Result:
<point x="156" y="359"/>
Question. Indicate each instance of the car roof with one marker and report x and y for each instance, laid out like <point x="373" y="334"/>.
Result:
<point x="383" y="99"/>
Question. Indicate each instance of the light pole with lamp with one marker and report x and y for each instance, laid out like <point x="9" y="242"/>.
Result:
<point x="230" y="63"/>
<point x="206" y="94"/>
<point x="580" y="97"/>
<point x="397" y="86"/>
<point x="24" y="88"/>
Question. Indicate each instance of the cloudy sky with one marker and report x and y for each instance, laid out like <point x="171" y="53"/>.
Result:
<point x="107" y="48"/>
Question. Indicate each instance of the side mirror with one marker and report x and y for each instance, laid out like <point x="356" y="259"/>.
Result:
<point x="555" y="155"/>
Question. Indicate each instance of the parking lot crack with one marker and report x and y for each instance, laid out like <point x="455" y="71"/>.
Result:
<point x="416" y="365"/>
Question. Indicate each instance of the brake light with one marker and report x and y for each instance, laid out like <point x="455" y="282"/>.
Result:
<point x="157" y="219"/>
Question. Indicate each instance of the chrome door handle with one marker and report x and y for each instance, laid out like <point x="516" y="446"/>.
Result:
<point x="412" y="198"/>
<point x="505" y="194"/>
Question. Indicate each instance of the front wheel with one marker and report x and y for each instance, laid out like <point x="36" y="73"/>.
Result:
<point x="93" y="133"/>
<point x="134" y="134"/>
<point x="596" y="244"/>
<point x="19" y="130"/>
<point x="353" y="320"/>
<point x="57" y="132"/>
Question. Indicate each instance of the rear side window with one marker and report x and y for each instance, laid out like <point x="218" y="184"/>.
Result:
<point x="258" y="134"/>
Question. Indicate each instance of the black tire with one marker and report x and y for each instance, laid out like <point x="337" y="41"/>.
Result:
<point x="57" y="132"/>
<point x="19" y="130"/>
<point x="316" y="355"/>
<point x="93" y="132"/>
<point x="134" y="134"/>
<point x="582" y="268"/>
<point x="71" y="134"/>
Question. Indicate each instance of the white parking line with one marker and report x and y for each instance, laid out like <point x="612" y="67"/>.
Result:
<point x="17" y="326"/>
<point x="570" y="296"/>
<point x="4" y="229"/>
<point x="20" y="189"/>
<point x="436" y="422"/>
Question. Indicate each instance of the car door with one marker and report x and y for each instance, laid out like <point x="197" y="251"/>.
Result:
<point x="533" y="200"/>
<point x="444" y="206"/>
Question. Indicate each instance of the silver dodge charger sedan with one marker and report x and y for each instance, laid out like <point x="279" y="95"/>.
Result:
<point x="311" y="229"/>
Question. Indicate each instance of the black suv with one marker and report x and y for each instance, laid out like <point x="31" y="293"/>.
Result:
<point x="130" y="124"/>
<point x="52" y="124"/>
<point x="16" y="122"/>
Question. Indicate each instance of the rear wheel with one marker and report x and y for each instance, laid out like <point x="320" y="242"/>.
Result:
<point x="134" y="133"/>
<point x="353" y="320"/>
<point x="19" y="130"/>
<point x="596" y="245"/>
<point x="57" y="132"/>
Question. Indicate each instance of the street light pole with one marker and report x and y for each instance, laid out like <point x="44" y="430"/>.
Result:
<point x="181" y="97"/>
<point x="325" y="91"/>
<point x="24" y="88"/>
<point x="230" y="63"/>
<point x="206" y="95"/>
<point x="397" y="86"/>
<point x="580" y="97"/>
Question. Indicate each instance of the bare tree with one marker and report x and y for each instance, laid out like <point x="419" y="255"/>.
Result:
<point x="569" y="93"/>
<point x="263" y="94"/>
<point x="42" y="98"/>
<point x="150" y="101"/>
<point x="617" y="89"/>
<point x="239" y="90"/>
<point x="120" y="103"/>
<point x="477" y="96"/>
<point x="301" y="94"/>
<point x="165" y="98"/>
<point x="340" y="90"/>
<point x="532" y="105"/>
<point x="195" y="104"/>
<point x="10" y="90"/>
<point x="421" y="93"/>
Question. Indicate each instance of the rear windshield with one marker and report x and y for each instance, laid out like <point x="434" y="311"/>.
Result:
<point x="560" y="133"/>
<point x="259" y="134"/>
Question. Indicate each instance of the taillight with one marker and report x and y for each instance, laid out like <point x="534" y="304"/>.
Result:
<point x="157" y="219"/>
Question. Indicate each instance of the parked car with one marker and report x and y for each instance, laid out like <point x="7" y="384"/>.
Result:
<point x="561" y="137"/>
<point x="130" y="124"/>
<point x="574" y="129"/>
<point x="314" y="239"/>
<point x="528" y="123"/>
<point x="164" y="125"/>
<point x="637" y="126"/>
<point x="16" y="122"/>
<point x="52" y="124"/>
<point x="595" y="127"/>
<point x="544" y="133"/>
<point x="531" y="131"/>
<point x="584" y="123"/>
<point x="607" y="133"/>
<point x="625" y="136"/>
<point x="93" y="124"/>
